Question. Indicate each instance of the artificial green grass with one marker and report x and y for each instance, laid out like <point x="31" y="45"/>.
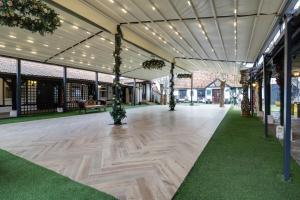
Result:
<point x="40" y="116"/>
<point x="23" y="180"/>
<point x="240" y="164"/>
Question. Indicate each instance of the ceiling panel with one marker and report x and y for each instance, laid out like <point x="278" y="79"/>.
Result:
<point x="178" y="33"/>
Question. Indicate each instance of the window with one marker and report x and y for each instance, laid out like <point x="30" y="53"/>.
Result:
<point x="201" y="93"/>
<point x="7" y="91"/>
<point x="182" y="94"/>
<point x="208" y="92"/>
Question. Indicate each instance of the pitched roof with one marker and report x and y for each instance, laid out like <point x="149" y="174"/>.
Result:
<point x="202" y="80"/>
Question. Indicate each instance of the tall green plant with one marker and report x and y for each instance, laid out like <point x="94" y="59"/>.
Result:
<point x="118" y="113"/>
<point x="172" y="103"/>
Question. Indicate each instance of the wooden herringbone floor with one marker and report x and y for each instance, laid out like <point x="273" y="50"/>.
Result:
<point x="147" y="158"/>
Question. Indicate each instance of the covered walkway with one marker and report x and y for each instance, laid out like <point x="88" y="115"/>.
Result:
<point x="58" y="57"/>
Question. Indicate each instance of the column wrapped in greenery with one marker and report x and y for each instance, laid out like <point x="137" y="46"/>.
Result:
<point x="118" y="113"/>
<point x="172" y="103"/>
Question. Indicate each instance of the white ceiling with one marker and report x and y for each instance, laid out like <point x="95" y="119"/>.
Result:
<point x="96" y="53"/>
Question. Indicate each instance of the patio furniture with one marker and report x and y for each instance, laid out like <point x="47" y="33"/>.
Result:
<point x="90" y="105"/>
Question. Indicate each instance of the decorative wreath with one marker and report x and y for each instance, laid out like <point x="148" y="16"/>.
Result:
<point x="32" y="15"/>
<point x="184" y="76"/>
<point x="153" y="64"/>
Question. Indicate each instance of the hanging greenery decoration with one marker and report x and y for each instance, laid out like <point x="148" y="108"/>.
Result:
<point x="153" y="64"/>
<point x="184" y="76"/>
<point x="118" y="113"/>
<point x="32" y="15"/>
<point x="172" y="103"/>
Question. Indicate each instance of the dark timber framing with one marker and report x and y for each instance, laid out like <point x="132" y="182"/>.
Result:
<point x="65" y="82"/>
<point x="287" y="97"/>
<point x="251" y="94"/>
<point x="18" y="88"/>
<point x="134" y="92"/>
<point x="267" y="95"/>
<point x="96" y="87"/>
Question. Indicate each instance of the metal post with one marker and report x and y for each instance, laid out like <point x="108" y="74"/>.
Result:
<point x="139" y="97"/>
<point x="96" y="87"/>
<point x="18" y="88"/>
<point x="267" y="94"/>
<point x="191" y="89"/>
<point x="133" y="91"/>
<point x="260" y="95"/>
<point x="65" y="89"/>
<point x="287" y="97"/>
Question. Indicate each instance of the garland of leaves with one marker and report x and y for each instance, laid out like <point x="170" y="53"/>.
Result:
<point x="118" y="113"/>
<point x="184" y="75"/>
<point x="32" y="15"/>
<point x="172" y="97"/>
<point x="153" y="64"/>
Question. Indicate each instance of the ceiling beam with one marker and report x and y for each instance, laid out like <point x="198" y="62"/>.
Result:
<point x="283" y="7"/>
<point x="162" y="30"/>
<point x="254" y="27"/>
<point x="90" y="15"/>
<point x="189" y="30"/>
<point x="201" y="18"/>
<point x="212" y="4"/>
<point x="198" y="18"/>
<point x="71" y="47"/>
<point x="213" y="60"/>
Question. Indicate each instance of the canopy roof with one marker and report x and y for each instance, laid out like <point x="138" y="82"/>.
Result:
<point x="214" y="36"/>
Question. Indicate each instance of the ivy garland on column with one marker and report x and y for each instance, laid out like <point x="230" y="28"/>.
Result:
<point x="118" y="113"/>
<point x="172" y="97"/>
<point x="32" y="15"/>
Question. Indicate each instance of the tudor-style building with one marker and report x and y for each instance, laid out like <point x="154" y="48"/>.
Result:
<point x="42" y="88"/>
<point x="206" y="89"/>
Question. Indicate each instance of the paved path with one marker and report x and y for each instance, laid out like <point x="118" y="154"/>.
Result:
<point x="147" y="158"/>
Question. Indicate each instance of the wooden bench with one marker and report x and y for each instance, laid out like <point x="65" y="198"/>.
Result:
<point x="87" y="105"/>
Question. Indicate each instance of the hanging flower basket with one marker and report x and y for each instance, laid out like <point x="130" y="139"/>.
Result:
<point x="32" y="15"/>
<point x="153" y="64"/>
<point x="184" y="76"/>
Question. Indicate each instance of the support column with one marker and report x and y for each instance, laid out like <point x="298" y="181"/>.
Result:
<point x="287" y="97"/>
<point x="280" y="82"/>
<point x="134" y="92"/>
<point x="65" y="107"/>
<point x="172" y="102"/>
<point x="251" y="94"/>
<point x="260" y="95"/>
<point x="18" y="88"/>
<point x="267" y="89"/>
<point x="192" y="92"/>
<point x="151" y="92"/>
<point x="245" y="105"/>
<point x="96" y="86"/>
